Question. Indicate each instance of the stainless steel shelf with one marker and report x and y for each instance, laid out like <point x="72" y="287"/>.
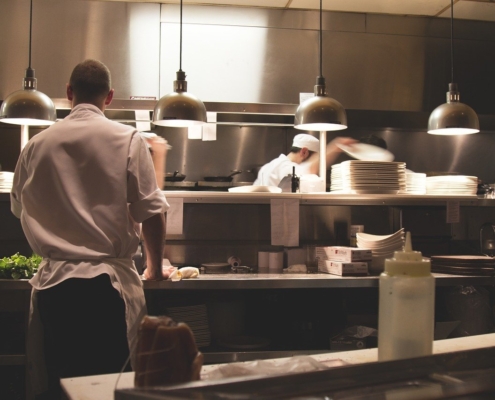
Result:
<point x="296" y="281"/>
<point x="328" y="199"/>
<point x="215" y="197"/>
<point x="274" y="281"/>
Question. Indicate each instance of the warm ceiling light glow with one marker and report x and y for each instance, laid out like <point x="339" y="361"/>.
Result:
<point x="28" y="106"/>
<point x="320" y="113"/>
<point x="179" y="108"/>
<point x="453" y="117"/>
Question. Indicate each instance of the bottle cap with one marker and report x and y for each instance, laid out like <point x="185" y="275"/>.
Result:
<point x="408" y="262"/>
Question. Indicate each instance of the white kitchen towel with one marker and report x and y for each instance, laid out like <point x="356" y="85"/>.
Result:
<point x="285" y="222"/>
<point x="263" y="260"/>
<point x="276" y="261"/>
<point x="175" y="216"/>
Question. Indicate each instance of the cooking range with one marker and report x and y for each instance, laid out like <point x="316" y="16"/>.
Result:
<point x="204" y="185"/>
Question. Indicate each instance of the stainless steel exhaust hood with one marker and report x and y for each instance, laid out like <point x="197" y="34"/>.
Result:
<point x="275" y="115"/>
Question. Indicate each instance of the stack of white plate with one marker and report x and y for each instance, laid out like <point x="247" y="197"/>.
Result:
<point x="6" y="180"/>
<point x="196" y="318"/>
<point x="381" y="246"/>
<point x="453" y="185"/>
<point x="368" y="177"/>
<point x="415" y="183"/>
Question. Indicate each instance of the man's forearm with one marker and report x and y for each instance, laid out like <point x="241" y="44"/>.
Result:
<point x="154" y="229"/>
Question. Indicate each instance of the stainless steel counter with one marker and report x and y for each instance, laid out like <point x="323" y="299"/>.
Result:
<point x="215" y="197"/>
<point x="296" y="281"/>
<point x="327" y="199"/>
<point x="102" y="387"/>
<point x="274" y="281"/>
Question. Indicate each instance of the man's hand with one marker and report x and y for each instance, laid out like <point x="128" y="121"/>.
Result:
<point x="333" y="149"/>
<point x="333" y="145"/>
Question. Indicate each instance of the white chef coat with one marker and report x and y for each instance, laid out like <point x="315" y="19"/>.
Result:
<point x="81" y="189"/>
<point x="272" y="173"/>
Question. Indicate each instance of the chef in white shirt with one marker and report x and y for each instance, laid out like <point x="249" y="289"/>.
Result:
<point x="303" y="156"/>
<point x="83" y="189"/>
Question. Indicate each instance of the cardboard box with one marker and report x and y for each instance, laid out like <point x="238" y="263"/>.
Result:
<point x="343" y="268"/>
<point x="343" y="253"/>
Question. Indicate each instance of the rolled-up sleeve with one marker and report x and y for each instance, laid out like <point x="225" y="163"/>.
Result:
<point x="143" y="195"/>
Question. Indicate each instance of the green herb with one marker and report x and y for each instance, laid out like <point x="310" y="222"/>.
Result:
<point x="19" y="266"/>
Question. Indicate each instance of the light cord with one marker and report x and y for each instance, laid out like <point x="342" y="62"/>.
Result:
<point x="452" y="39"/>
<point x="321" y="40"/>
<point x="30" y="30"/>
<point x="180" y="41"/>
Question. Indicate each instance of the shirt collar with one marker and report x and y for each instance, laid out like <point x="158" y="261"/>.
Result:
<point x="86" y="107"/>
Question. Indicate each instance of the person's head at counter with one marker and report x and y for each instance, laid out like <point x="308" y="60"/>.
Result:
<point x="91" y="83"/>
<point x="303" y="158"/>
<point x="304" y="147"/>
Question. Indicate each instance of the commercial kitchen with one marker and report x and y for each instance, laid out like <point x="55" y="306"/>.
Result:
<point x="252" y="63"/>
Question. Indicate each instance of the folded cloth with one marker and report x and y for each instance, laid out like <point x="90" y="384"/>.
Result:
<point x="184" y="273"/>
<point x="189" y="272"/>
<point x="297" y="269"/>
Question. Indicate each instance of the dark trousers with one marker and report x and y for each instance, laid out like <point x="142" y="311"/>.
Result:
<point x="84" y="330"/>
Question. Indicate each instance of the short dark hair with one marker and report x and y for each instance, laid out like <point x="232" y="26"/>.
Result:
<point x="295" y="149"/>
<point x="90" y="81"/>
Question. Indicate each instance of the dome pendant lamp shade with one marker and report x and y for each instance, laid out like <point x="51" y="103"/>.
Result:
<point x="179" y="108"/>
<point x="28" y="106"/>
<point x="320" y="113"/>
<point x="453" y="117"/>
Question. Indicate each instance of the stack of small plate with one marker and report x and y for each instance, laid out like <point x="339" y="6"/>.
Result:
<point x="415" y="183"/>
<point x="196" y="318"/>
<point x="6" y="180"/>
<point x="368" y="177"/>
<point x="381" y="246"/>
<point x="452" y="185"/>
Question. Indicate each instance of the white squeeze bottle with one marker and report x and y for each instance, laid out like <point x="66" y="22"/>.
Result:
<point x="406" y="314"/>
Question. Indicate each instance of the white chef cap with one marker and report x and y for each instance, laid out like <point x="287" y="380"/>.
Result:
<point x="304" y="140"/>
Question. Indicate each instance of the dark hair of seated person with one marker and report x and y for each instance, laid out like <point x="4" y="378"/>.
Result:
<point x="374" y="140"/>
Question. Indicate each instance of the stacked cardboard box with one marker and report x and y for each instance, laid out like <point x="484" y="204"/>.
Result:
<point x="342" y="260"/>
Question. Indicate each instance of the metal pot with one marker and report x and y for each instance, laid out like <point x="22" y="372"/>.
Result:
<point x="174" y="177"/>
<point x="227" y="178"/>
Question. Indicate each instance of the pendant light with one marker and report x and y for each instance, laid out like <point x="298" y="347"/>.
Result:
<point x="320" y="113"/>
<point x="179" y="108"/>
<point x="28" y="106"/>
<point x="453" y="117"/>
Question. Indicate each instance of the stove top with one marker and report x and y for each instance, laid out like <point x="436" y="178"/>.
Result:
<point x="203" y="185"/>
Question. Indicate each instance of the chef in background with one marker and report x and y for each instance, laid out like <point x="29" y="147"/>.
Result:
<point x="303" y="155"/>
<point x="83" y="189"/>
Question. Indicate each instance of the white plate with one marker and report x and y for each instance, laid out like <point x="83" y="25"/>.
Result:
<point x="255" y="189"/>
<point x="370" y="237"/>
<point x="367" y="152"/>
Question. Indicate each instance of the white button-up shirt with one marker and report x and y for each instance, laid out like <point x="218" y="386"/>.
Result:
<point x="81" y="189"/>
<point x="272" y="173"/>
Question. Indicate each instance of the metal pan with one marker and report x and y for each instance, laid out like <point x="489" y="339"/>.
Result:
<point x="227" y="178"/>
<point x="174" y="177"/>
